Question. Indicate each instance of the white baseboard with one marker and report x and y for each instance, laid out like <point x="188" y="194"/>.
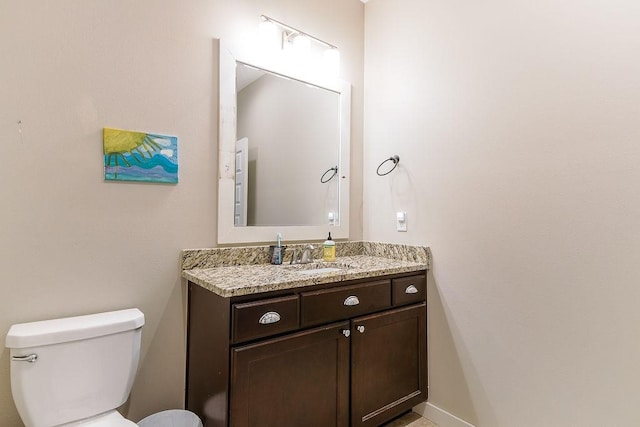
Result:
<point x="439" y="416"/>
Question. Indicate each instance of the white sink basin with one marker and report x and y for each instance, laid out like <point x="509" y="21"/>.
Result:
<point x="319" y="270"/>
<point x="319" y="267"/>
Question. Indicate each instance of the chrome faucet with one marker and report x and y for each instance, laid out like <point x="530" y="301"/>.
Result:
<point x="305" y="256"/>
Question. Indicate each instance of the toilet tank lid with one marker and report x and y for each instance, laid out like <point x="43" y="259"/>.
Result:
<point x="76" y="328"/>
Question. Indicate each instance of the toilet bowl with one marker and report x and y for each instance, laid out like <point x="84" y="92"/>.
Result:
<point x="75" y="371"/>
<point x="171" y="418"/>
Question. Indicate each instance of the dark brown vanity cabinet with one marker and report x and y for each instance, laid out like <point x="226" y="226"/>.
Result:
<point x="344" y="354"/>
<point x="300" y="379"/>
<point x="388" y="364"/>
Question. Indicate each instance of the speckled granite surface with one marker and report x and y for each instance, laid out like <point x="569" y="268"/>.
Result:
<point x="221" y="257"/>
<point x="245" y="270"/>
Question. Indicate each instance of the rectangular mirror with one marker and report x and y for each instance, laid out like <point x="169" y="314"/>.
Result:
<point x="287" y="151"/>
<point x="284" y="154"/>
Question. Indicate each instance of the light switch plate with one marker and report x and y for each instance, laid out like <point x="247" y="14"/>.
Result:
<point x="401" y="221"/>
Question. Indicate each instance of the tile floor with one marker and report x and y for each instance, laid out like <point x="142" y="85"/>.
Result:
<point x="410" y="420"/>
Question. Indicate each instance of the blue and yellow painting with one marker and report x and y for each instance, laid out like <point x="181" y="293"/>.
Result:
<point x="139" y="156"/>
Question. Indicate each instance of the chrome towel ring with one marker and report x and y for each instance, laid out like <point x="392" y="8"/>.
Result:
<point x="395" y="159"/>
<point x="325" y="180"/>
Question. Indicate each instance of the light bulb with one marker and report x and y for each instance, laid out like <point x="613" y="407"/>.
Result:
<point x="332" y="61"/>
<point x="268" y="32"/>
<point x="301" y="44"/>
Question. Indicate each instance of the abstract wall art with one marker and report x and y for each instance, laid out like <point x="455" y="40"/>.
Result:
<point x="139" y="156"/>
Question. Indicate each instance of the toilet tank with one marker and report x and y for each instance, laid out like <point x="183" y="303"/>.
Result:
<point x="84" y="365"/>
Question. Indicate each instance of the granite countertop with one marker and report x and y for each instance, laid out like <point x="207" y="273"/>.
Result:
<point x="240" y="271"/>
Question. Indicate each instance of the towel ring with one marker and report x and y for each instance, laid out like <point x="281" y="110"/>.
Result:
<point x="395" y="159"/>
<point x="335" y="172"/>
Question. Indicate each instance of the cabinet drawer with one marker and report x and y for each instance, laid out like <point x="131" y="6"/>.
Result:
<point x="407" y="290"/>
<point x="263" y="318"/>
<point x="339" y="303"/>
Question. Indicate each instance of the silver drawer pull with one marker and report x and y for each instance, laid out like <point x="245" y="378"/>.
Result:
<point x="411" y="290"/>
<point x="360" y="329"/>
<point x="346" y="332"/>
<point x="269" y="317"/>
<point x="352" y="300"/>
<point x="30" y="358"/>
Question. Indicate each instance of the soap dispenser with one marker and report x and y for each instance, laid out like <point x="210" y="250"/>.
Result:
<point x="329" y="249"/>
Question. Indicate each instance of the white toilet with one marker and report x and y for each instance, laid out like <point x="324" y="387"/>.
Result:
<point x="75" y="371"/>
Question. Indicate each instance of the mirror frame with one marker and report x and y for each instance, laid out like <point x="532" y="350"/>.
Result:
<point x="227" y="231"/>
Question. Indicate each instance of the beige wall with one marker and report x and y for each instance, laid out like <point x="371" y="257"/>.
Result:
<point x="517" y="127"/>
<point x="73" y="244"/>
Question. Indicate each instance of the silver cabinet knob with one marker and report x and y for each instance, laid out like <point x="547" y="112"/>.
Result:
<point x="269" y="317"/>
<point x="352" y="300"/>
<point x="360" y="329"/>
<point x="411" y="290"/>
<point x="346" y="332"/>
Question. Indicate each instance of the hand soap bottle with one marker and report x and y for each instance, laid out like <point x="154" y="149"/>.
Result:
<point x="329" y="250"/>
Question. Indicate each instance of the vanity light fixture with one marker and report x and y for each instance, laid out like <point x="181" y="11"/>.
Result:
<point x="299" y="42"/>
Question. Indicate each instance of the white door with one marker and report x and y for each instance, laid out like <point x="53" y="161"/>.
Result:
<point x="242" y="169"/>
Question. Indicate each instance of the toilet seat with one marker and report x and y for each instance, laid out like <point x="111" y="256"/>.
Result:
<point x="108" y="419"/>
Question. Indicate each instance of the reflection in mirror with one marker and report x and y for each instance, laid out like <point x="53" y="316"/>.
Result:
<point x="285" y="132"/>
<point x="288" y="136"/>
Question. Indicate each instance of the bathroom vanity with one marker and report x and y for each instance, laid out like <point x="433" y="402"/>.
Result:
<point x="294" y="345"/>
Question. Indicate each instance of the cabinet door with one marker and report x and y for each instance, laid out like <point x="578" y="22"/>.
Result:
<point x="388" y="364"/>
<point x="301" y="379"/>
